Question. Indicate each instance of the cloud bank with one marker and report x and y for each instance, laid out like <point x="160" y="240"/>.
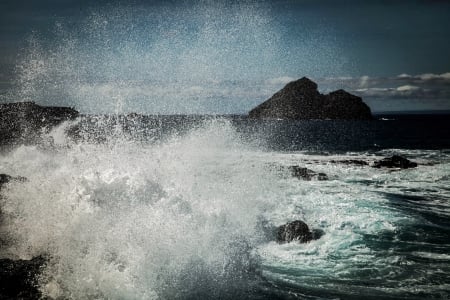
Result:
<point x="426" y="86"/>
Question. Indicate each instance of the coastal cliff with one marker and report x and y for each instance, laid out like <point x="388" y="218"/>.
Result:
<point x="301" y="100"/>
<point x="22" y="121"/>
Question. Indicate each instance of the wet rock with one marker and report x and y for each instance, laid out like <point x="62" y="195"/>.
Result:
<point x="300" y="100"/>
<point x="294" y="231"/>
<point x="5" y="178"/>
<point x="317" y="233"/>
<point x="395" y="161"/>
<point x="24" y="121"/>
<point x="356" y="162"/>
<point x="18" y="278"/>
<point x="306" y="174"/>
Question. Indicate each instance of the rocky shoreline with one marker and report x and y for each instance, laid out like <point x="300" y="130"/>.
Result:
<point x="24" y="122"/>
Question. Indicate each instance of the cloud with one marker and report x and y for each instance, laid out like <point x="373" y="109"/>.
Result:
<point x="408" y="88"/>
<point x="431" y="76"/>
<point x="404" y="91"/>
<point x="404" y="86"/>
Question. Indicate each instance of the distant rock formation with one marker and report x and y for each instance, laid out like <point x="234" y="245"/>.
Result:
<point x="24" y="121"/>
<point x="301" y="100"/>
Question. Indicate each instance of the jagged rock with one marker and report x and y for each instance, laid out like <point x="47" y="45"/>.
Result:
<point x="306" y="174"/>
<point x="23" y="121"/>
<point x="395" y="161"/>
<point x="18" y="278"/>
<point x="294" y="231"/>
<point x="301" y="100"/>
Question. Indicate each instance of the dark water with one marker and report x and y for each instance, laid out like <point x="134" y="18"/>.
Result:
<point x="397" y="132"/>
<point x="385" y="132"/>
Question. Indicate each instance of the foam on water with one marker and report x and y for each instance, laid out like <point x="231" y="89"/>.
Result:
<point x="181" y="218"/>
<point x="368" y="232"/>
<point x="124" y="221"/>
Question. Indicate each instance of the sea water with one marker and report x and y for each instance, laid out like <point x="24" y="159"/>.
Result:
<point x="182" y="207"/>
<point x="184" y="215"/>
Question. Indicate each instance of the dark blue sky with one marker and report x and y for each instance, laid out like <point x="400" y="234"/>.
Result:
<point x="359" y="45"/>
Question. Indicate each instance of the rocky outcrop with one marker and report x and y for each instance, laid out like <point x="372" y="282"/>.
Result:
<point x="301" y="100"/>
<point x="18" y="278"/>
<point x="306" y="174"/>
<point x="294" y="231"/>
<point x="297" y="231"/>
<point x="24" y="121"/>
<point x="395" y="161"/>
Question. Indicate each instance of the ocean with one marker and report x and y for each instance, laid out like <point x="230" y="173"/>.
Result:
<point x="181" y="207"/>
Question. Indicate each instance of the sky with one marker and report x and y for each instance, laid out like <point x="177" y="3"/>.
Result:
<point x="222" y="56"/>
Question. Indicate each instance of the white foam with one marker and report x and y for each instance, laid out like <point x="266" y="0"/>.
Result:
<point x="131" y="221"/>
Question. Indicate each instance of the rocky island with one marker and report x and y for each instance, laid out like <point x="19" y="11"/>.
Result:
<point x="300" y="100"/>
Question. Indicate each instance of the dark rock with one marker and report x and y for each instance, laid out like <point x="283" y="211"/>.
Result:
<point x="317" y="233"/>
<point x="350" y="162"/>
<point x="4" y="178"/>
<point x="23" y="121"/>
<point x="301" y="100"/>
<point x="395" y="161"/>
<point x="306" y="174"/>
<point x="294" y="231"/>
<point x="18" y="278"/>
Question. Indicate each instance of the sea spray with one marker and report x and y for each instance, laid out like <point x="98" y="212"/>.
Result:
<point x="172" y="220"/>
<point x="152" y="59"/>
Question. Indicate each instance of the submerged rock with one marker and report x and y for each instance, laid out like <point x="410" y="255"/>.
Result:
<point x="395" y="161"/>
<point x="301" y="100"/>
<point x="18" y="278"/>
<point x="306" y="174"/>
<point x="294" y="231"/>
<point x="23" y="121"/>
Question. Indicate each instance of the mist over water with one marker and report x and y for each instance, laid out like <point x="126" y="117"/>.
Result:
<point x="123" y="221"/>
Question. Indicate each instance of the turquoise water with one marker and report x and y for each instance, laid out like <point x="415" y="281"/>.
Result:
<point x="178" y="215"/>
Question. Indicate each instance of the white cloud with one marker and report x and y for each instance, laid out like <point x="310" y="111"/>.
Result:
<point x="425" y="77"/>
<point x="404" y="86"/>
<point x="403" y="91"/>
<point x="404" y="75"/>
<point x="407" y="88"/>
